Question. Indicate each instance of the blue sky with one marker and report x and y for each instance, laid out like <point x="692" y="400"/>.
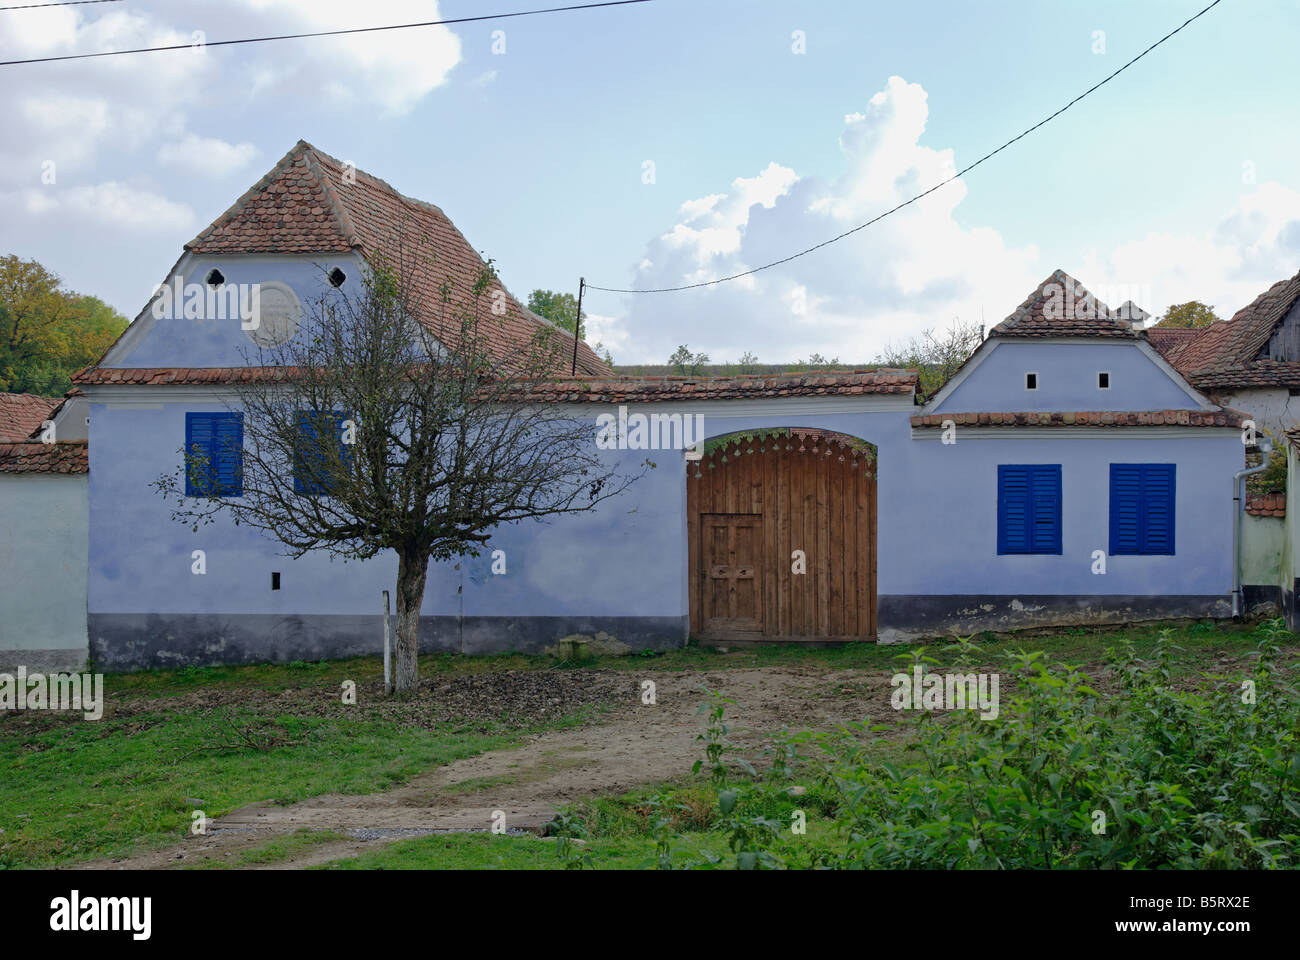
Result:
<point x="1178" y="180"/>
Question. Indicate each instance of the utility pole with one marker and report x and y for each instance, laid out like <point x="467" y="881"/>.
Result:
<point x="577" y="327"/>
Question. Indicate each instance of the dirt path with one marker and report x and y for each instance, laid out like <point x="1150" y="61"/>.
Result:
<point x="630" y="745"/>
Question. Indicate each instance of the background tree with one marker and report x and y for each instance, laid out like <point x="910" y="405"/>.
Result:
<point x="935" y="356"/>
<point x="47" y="333"/>
<point x="688" y="364"/>
<point x="816" y="360"/>
<point x="559" y="308"/>
<point x="1193" y="313"/>
<point x="391" y="425"/>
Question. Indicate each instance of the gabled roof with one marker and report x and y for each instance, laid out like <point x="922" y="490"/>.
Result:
<point x="21" y="415"/>
<point x="1225" y="354"/>
<point x="311" y="203"/>
<point x="579" y="389"/>
<point x="1061" y="306"/>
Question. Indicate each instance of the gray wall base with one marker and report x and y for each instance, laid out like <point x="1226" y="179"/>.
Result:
<point x="134" y="641"/>
<point x="901" y="617"/>
<point x="1290" y="609"/>
<point x="1253" y="595"/>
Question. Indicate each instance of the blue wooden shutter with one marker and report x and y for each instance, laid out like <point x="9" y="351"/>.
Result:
<point x="217" y="438"/>
<point x="1158" y="528"/>
<point x="1029" y="508"/>
<point x="199" y="430"/>
<point x="228" y="441"/>
<point x="1142" y="497"/>
<point x="306" y="455"/>
<point x="1045" y="504"/>
<point x="1013" y="509"/>
<point x="1125" y="508"/>
<point x="314" y="429"/>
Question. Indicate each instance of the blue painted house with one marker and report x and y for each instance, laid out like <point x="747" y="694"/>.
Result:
<point x="1065" y="474"/>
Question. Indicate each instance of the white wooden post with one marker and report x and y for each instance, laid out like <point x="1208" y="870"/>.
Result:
<point x="388" y="669"/>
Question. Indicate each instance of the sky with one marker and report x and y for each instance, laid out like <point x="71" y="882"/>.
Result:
<point x="676" y="141"/>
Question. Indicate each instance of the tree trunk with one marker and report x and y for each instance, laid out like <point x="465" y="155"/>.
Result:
<point x="411" y="573"/>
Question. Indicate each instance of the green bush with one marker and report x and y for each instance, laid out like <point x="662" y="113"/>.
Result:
<point x="1146" y="775"/>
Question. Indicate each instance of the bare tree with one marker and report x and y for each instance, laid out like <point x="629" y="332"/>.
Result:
<point x="397" y="424"/>
<point x="937" y="357"/>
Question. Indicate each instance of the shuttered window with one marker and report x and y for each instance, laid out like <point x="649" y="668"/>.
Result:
<point x="1029" y="508"/>
<point x="312" y="466"/>
<point x="215" y="444"/>
<point x="1142" y="508"/>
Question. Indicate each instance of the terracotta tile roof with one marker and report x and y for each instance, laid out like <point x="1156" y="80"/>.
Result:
<point x="21" y="415"/>
<point x="1226" y="353"/>
<point x="579" y="389"/>
<point x="1223" y="417"/>
<point x="179" y="375"/>
<point x="62" y="457"/>
<point x="311" y="203"/>
<point x="1169" y="340"/>
<point x="649" y="389"/>
<point x="1266" y="504"/>
<point x="1260" y="373"/>
<point x="1061" y="306"/>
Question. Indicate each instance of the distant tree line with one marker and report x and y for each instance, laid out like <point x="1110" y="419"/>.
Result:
<point x="48" y="333"/>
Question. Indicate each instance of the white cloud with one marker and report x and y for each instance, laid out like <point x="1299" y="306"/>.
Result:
<point x="1256" y="244"/>
<point x="609" y="332"/>
<point x="116" y="129"/>
<point x="206" y="156"/>
<point x="111" y="203"/>
<point x="917" y="269"/>
<point x="392" y="68"/>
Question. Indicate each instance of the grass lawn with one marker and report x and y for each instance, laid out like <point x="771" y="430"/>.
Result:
<point x="77" y="790"/>
<point x="220" y="738"/>
<point x="1076" y="645"/>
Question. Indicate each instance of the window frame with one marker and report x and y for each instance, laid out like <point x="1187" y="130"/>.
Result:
<point x="1142" y="547"/>
<point x="338" y="418"/>
<point x="236" y="484"/>
<point x="1037" y="472"/>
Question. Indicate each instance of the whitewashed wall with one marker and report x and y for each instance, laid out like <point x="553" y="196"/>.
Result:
<point x="44" y="522"/>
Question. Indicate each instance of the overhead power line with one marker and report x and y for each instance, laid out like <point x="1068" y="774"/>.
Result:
<point x="60" y="3"/>
<point x="322" y="33"/>
<point x="960" y="173"/>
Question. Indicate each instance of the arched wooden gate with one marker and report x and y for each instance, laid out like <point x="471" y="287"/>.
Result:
<point x="782" y="534"/>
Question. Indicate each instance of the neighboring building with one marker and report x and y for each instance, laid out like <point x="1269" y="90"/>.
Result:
<point x="43" y="539"/>
<point x="1289" y="561"/>
<point x="23" y="413"/>
<point x="1251" y="362"/>
<point x="1065" y="446"/>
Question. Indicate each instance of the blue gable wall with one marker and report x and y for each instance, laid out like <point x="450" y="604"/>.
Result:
<point x="174" y="341"/>
<point x="1067" y="380"/>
